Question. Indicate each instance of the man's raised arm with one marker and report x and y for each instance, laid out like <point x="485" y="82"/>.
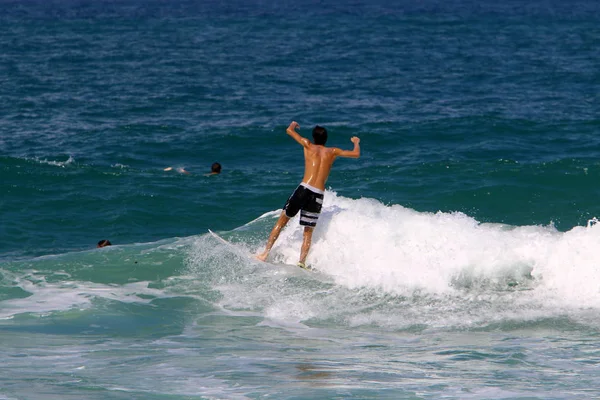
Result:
<point x="291" y="130"/>
<point x="354" y="153"/>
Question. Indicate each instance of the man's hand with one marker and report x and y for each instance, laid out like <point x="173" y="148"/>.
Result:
<point x="293" y="126"/>
<point x="355" y="140"/>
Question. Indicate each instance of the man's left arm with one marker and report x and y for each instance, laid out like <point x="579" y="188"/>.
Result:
<point x="354" y="153"/>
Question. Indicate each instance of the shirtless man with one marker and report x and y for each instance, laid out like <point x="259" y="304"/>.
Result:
<point x="308" y="196"/>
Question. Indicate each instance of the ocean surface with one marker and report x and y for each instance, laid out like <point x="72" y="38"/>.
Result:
<point x="457" y="258"/>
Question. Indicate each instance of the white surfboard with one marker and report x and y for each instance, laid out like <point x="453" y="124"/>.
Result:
<point x="237" y="249"/>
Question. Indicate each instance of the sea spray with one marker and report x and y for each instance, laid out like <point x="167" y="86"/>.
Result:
<point x="394" y="267"/>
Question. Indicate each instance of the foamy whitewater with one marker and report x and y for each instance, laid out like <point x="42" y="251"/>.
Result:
<point x="376" y="264"/>
<point x="436" y="270"/>
<point x="401" y="302"/>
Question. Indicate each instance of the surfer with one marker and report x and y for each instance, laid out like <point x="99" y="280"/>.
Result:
<point x="308" y="196"/>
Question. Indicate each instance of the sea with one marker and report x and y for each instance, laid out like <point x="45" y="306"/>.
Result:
<point x="457" y="258"/>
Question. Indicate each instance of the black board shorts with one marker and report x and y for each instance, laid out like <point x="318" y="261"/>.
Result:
<point x="308" y="200"/>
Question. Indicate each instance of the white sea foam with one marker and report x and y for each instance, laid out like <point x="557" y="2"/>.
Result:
<point x="120" y="166"/>
<point x="46" y="297"/>
<point x="394" y="267"/>
<point x="61" y="164"/>
<point x="366" y="244"/>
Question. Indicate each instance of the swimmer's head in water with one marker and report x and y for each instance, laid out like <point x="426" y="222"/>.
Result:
<point x="104" y="243"/>
<point x="215" y="168"/>
<point x="320" y="135"/>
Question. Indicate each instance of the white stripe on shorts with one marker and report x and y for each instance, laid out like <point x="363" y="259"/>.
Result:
<point x="310" y="214"/>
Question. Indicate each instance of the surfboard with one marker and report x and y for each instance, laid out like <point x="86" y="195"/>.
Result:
<point x="251" y="256"/>
<point x="220" y="239"/>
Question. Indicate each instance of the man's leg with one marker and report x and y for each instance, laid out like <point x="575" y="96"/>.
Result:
<point x="307" y="239"/>
<point x="281" y="222"/>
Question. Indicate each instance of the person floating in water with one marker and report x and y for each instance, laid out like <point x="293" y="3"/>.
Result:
<point x="104" y="243"/>
<point x="215" y="169"/>
<point x="308" y="196"/>
<point x="180" y="170"/>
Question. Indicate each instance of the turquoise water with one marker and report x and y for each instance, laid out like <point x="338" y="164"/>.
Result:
<point x="457" y="258"/>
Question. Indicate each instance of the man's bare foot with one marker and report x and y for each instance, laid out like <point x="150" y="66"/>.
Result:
<point x="262" y="257"/>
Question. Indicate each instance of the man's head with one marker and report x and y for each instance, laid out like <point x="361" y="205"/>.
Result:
<point x="104" y="243"/>
<point x="320" y="135"/>
<point x="215" y="168"/>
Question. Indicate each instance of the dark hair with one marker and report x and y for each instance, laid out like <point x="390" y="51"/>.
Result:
<point x="104" y="243"/>
<point x="216" y="167"/>
<point x="319" y="135"/>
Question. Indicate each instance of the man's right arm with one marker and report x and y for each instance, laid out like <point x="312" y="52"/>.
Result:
<point x="291" y="130"/>
<point x="354" y="153"/>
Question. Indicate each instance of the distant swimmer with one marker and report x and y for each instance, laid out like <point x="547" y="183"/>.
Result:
<point x="180" y="170"/>
<point x="215" y="169"/>
<point x="308" y="196"/>
<point x="104" y="243"/>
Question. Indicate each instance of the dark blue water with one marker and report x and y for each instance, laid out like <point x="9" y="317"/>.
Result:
<point x="457" y="255"/>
